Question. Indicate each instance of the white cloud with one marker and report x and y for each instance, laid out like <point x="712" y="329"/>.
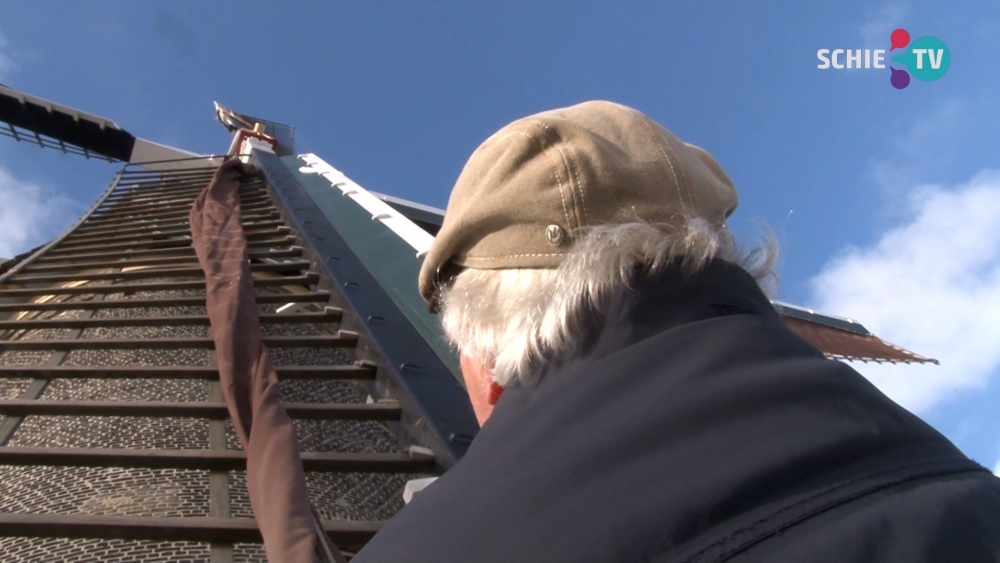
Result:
<point x="932" y="285"/>
<point x="996" y="469"/>
<point x="29" y="214"/>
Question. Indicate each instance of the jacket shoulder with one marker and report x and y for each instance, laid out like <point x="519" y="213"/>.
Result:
<point x="953" y="518"/>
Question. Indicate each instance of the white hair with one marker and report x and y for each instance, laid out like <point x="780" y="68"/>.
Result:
<point x="515" y="321"/>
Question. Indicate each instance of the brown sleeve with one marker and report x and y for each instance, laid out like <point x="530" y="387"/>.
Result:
<point x="249" y="382"/>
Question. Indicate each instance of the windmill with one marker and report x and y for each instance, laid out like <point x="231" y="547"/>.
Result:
<point x="114" y="440"/>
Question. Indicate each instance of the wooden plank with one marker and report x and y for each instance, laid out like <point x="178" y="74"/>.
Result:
<point x="151" y="242"/>
<point x="173" y="185"/>
<point x="151" y="193"/>
<point x="218" y="481"/>
<point x="312" y="297"/>
<point x="144" y="226"/>
<point x="37" y="386"/>
<point x="142" y="240"/>
<point x="194" y="529"/>
<point x="298" y="373"/>
<point x="171" y="228"/>
<point x="214" y="410"/>
<point x="186" y="250"/>
<point x="140" y="186"/>
<point x="140" y="179"/>
<point x="113" y="227"/>
<point x="331" y="315"/>
<point x="190" y="271"/>
<point x="228" y="460"/>
<point x="178" y="261"/>
<point x="173" y="200"/>
<point x="163" y="204"/>
<point x="343" y="339"/>
<point x="109" y="218"/>
<point x="134" y="176"/>
<point x="179" y="242"/>
<point x="162" y="208"/>
<point x="307" y="279"/>
<point x="130" y="220"/>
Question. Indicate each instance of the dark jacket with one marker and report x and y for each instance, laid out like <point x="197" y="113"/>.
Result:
<point x="699" y="428"/>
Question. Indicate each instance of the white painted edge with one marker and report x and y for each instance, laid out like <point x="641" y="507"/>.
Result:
<point x="414" y="486"/>
<point x="289" y="308"/>
<point x="232" y="145"/>
<point x="408" y="203"/>
<point x="102" y="122"/>
<point x="157" y="157"/>
<point x="250" y="144"/>
<point x="419" y="239"/>
<point x="812" y="312"/>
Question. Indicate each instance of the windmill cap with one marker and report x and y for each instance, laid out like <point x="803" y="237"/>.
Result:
<point x="527" y="190"/>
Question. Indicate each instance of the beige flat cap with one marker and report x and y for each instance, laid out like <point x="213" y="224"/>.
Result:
<point x="526" y="191"/>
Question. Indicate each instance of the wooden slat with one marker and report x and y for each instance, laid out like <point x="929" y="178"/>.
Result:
<point x="172" y="228"/>
<point x="129" y="188"/>
<point x="135" y="220"/>
<point x="185" y="191"/>
<point x="312" y="297"/>
<point x="109" y="218"/>
<point x="161" y="209"/>
<point x="214" y="410"/>
<point x="218" y="481"/>
<point x="150" y="245"/>
<point x="38" y="385"/>
<point x="151" y="242"/>
<point x="171" y="186"/>
<point x="343" y="339"/>
<point x="139" y="222"/>
<point x="134" y="179"/>
<point x="169" y="201"/>
<point x="311" y="373"/>
<point x="307" y="279"/>
<point x="194" y="529"/>
<point x="126" y="243"/>
<point x="186" y="250"/>
<point x="116" y="226"/>
<point x="175" y="192"/>
<point x="331" y="315"/>
<point x="190" y="271"/>
<point x="178" y="261"/>
<point x="165" y="186"/>
<point x="164" y="204"/>
<point x="229" y="460"/>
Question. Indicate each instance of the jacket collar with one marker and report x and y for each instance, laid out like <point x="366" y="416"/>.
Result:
<point x="669" y="299"/>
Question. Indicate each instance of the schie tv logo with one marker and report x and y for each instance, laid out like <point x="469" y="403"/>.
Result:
<point x="927" y="58"/>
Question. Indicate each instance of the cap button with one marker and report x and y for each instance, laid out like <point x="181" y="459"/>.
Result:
<point x="555" y="235"/>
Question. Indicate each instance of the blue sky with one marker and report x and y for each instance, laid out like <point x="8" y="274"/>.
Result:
<point x="886" y="201"/>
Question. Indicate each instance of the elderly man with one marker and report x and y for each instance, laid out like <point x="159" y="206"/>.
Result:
<point x="640" y="399"/>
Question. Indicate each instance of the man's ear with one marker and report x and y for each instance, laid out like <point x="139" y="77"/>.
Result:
<point x="495" y="391"/>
